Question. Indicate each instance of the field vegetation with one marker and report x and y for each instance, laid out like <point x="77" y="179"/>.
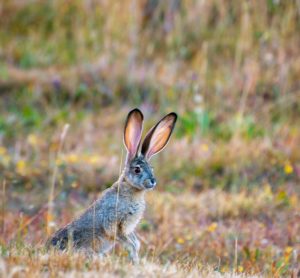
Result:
<point x="227" y="200"/>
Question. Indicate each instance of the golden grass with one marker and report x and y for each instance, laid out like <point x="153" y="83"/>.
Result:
<point x="74" y="265"/>
<point x="210" y="234"/>
<point x="228" y="197"/>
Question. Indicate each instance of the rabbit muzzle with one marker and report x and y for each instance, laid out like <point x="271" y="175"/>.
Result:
<point x="150" y="183"/>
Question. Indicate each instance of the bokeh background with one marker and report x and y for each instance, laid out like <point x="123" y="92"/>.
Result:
<point x="228" y="190"/>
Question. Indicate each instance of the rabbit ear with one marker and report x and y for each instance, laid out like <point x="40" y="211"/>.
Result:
<point x="133" y="132"/>
<point x="158" y="136"/>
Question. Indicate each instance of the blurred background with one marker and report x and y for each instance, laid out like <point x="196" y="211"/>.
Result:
<point x="228" y="182"/>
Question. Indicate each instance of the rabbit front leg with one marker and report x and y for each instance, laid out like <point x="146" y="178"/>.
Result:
<point x="132" y="245"/>
<point x="106" y="246"/>
<point x="135" y="241"/>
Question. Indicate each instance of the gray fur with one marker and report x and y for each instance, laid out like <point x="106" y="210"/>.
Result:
<point x="114" y="216"/>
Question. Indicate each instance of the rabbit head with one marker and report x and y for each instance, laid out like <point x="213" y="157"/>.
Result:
<point x="138" y="171"/>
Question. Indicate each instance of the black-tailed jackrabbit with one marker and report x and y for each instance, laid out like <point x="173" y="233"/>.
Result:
<point x="114" y="216"/>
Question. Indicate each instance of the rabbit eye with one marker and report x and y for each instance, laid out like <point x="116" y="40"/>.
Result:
<point x="137" y="170"/>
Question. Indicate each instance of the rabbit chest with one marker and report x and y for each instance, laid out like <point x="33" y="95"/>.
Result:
<point x="131" y="216"/>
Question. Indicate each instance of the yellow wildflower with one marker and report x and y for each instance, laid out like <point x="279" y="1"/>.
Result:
<point x="2" y="151"/>
<point x="188" y="237"/>
<point x="73" y="158"/>
<point x="240" y="268"/>
<point x="288" y="168"/>
<point x="204" y="147"/>
<point x="74" y="184"/>
<point x="288" y="250"/>
<point x="6" y="159"/>
<point x="32" y="139"/>
<point x="287" y="253"/>
<point x="212" y="227"/>
<point x="180" y="240"/>
<point x="224" y="269"/>
<point x="21" y="167"/>
<point x="94" y="159"/>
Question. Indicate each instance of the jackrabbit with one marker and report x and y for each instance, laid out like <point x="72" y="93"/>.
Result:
<point x="115" y="215"/>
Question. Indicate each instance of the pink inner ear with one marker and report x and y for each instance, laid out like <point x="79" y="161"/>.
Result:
<point x="134" y="135"/>
<point x="158" y="137"/>
<point x="133" y="132"/>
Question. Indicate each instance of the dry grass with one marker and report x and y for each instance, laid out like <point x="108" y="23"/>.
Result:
<point x="192" y="225"/>
<point x="190" y="234"/>
<point x="66" y="265"/>
<point x="228" y="196"/>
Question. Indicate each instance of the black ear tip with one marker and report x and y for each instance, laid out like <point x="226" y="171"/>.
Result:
<point x="174" y="115"/>
<point x="136" y="111"/>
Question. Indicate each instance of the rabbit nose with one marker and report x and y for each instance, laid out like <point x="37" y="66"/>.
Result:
<point x="152" y="182"/>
